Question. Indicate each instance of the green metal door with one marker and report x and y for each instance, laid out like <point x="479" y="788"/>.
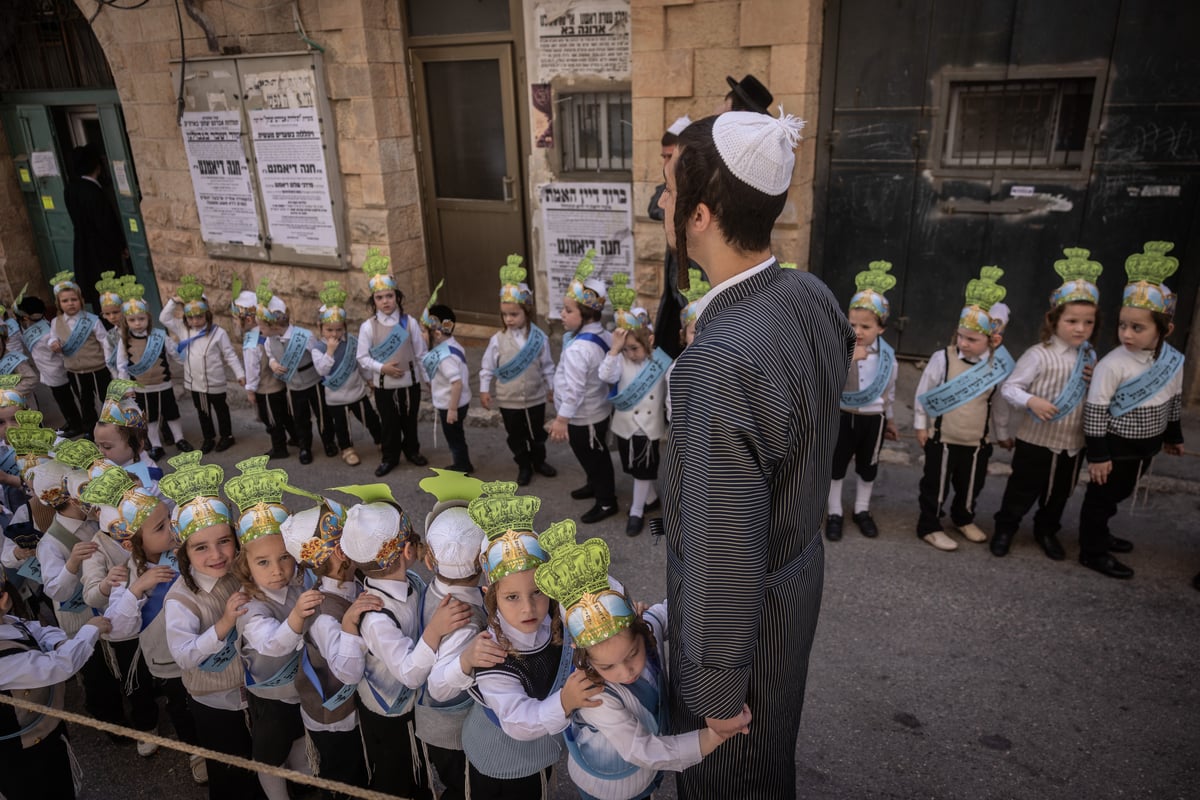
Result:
<point x="42" y="176"/>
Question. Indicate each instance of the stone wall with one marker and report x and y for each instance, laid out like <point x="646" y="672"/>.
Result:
<point x="19" y="264"/>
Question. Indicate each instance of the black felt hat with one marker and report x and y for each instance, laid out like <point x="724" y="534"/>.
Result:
<point x="754" y="96"/>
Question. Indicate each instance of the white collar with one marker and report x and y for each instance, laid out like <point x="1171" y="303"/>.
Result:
<point x="1059" y="346"/>
<point x="394" y="588"/>
<point x="703" y="302"/>
<point x="71" y="524"/>
<point x="276" y="596"/>
<point x="90" y="178"/>
<point x="346" y="590"/>
<point x="1141" y="356"/>
<point x="388" y="319"/>
<point x="526" y="642"/>
<point x="468" y="594"/>
<point x="205" y="582"/>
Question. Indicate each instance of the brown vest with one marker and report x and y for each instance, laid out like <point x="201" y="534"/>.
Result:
<point x="310" y="698"/>
<point x="88" y="358"/>
<point x="525" y="390"/>
<point x="44" y="695"/>
<point x="967" y="424"/>
<point x="405" y="355"/>
<point x="208" y="608"/>
<point x="159" y="373"/>
<point x="268" y="381"/>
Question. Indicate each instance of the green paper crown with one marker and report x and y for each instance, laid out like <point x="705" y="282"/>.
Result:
<point x="191" y="479"/>
<point x="133" y="291"/>
<point x="108" y="488"/>
<point x="78" y="453"/>
<point x="236" y="288"/>
<point x="108" y="283"/>
<point x="8" y="383"/>
<point x="119" y="389"/>
<point x="333" y="295"/>
<point x="574" y="569"/>
<point x="512" y="273"/>
<point x="876" y="277"/>
<point x="62" y="277"/>
<point x="190" y="289"/>
<point x="28" y="437"/>
<point x="368" y="492"/>
<point x="697" y="286"/>
<point x="20" y="296"/>
<point x="433" y="297"/>
<point x="376" y="263"/>
<point x="587" y="265"/>
<point x="256" y="484"/>
<point x="1152" y="265"/>
<point x="983" y="291"/>
<point x="1076" y="266"/>
<point x="263" y="293"/>
<point x="498" y="510"/>
<point x="447" y="485"/>
<point x="619" y="293"/>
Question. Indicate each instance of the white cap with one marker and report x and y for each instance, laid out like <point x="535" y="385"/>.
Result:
<point x="598" y="286"/>
<point x="47" y="477"/>
<point x="369" y="529"/>
<point x="76" y="480"/>
<point x="298" y="528"/>
<point x="455" y="541"/>
<point x="276" y="305"/>
<point x="246" y="299"/>
<point x="759" y="149"/>
<point x="999" y="312"/>
<point x="678" y="125"/>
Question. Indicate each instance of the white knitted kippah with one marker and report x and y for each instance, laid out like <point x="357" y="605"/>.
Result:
<point x="369" y="527"/>
<point x="298" y="528"/>
<point x="759" y="149"/>
<point x="999" y="313"/>
<point x="454" y="539"/>
<point x="246" y="299"/>
<point x="678" y="125"/>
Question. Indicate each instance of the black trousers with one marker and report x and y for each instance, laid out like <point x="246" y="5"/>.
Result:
<point x="274" y="728"/>
<point x="456" y="439"/>
<point x="102" y="692"/>
<point x="42" y="770"/>
<point x="639" y="457"/>
<point x="89" y="389"/>
<point x="1101" y="500"/>
<point x="307" y="404"/>
<point x="226" y="732"/>
<point x="589" y="443"/>
<point x="860" y="437"/>
<point x="451" y="766"/>
<point x="339" y="422"/>
<point x="398" y="410"/>
<point x="394" y="756"/>
<point x="159" y="405"/>
<point x="341" y="754"/>
<point x="274" y="414"/>
<point x="531" y="787"/>
<point x="65" y="397"/>
<point x="526" y="429"/>
<point x="177" y="709"/>
<point x="1041" y="476"/>
<point x="207" y="405"/>
<point x="956" y="466"/>
<point x="141" y="700"/>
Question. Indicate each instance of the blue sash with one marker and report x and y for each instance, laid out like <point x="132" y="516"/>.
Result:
<point x="344" y="366"/>
<point x="154" y="601"/>
<point x="83" y="329"/>
<point x="9" y="362"/>
<point x="31" y="569"/>
<point x="293" y="353"/>
<point x="1135" y="391"/>
<point x="8" y="461"/>
<point x="656" y="366"/>
<point x="1076" y="387"/>
<point x="887" y="363"/>
<point x="392" y="708"/>
<point x="528" y="354"/>
<point x="221" y="659"/>
<point x="434" y="358"/>
<point x="114" y="341"/>
<point x="570" y="338"/>
<point x="75" y="604"/>
<point x="182" y="346"/>
<point x="286" y="674"/>
<point x="395" y="339"/>
<point x="251" y="340"/>
<point x="13" y="328"/>
<point x="34" y="333"/>
<point x="337" y="698"/>
<point x="154" y="347"/>
<point x="968" y="385"/>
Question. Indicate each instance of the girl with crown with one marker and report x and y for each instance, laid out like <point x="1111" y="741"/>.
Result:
<point x="1050" y="381"/>
<point x="336" y="360"/>
<point x="202" y="609"/>
<point x="121" y="432"/>
<point x="79" y="336"/>
<point x="867" y="400"/>
<point x="142" y="357"/>
<point x="580" y="397"/>
<point x="29" y="444"/>
<point x="518" y="358"/>
<point x="51" y="368"/>
<point x="955" y="417"/>
<point x="206" y="351"/>
<point x="1133" y="407"/>
<point x="109" y="289"/>
<point x="639" y="373"/>
<point x="390" y="349"/>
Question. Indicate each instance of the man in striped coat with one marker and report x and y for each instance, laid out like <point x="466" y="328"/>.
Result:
<point x="746" y="470"/>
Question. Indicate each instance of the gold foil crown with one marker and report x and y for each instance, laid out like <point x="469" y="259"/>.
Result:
<point x="108" y="284"/>
<point x="333" y="295"/>
<point x="498" y="510"/>
<point x="191" y="479"/>
<point x="376" y="263"/>
<point x="28" y="437"/>
<point x="574" y="569"/>
<point x="1077" y="267"/>
<point x="133" y="291"/>
<point x="190" y="289"/>
<point x="512" y="273"/>
<point x="108" y="488"/>
<point x="258" y="494"/>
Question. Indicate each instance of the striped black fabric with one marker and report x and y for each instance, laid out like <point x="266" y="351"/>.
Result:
<point x="744" y="481"/>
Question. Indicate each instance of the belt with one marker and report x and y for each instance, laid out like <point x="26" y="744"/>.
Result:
<point x="777" y="577"/>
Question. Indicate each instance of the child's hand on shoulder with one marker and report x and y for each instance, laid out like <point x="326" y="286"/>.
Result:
<point x="481" y="653"/>
<point x="152" y="577"/>
<point x="1042" y="409"/>
<point x="353" y="616"/>
<point x="306" y="605"/>
<point x="235" y="607"/>
<point x="579" y="692"/>
<point x="102" y="624"/>
<point x="117" y="576"/>
<point x="79" y="554"/>
<point x="451" y="614"/>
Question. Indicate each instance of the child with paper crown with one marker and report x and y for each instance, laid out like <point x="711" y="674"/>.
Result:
<point x="336" y="360"/>
<point x="639" y="372"/>
<point x="333" y="657"/>
<point x="121" y="432"/>
<point x="1050" y="381"/>
<point x="52" y="370"/>
<point x="15" y="356"/>
<point x="449" y="377"/>
<point x="1133" y="406"/>
<point x="109" y="289"/>
<point x="27" y="518"/>
<point x="202" y="609"/>
<point x="518" y="357"/>
<point x="79" y="336"/>
<point x="401" y="647"/>
<point x="12" y="402"/>
<point x="272" y="629"/>
<point x="390" y="349"/>
<point x="511" y="735"/>
<point x="580" y="397"/>
<point x="263" y="389"/>
<point x="619" y="749"/>
<point x="288" y="351"/>
<point x="955" y="399"/>
<point x="142" y="357"/>
<point x="867" y="400"/>
<point x="206" y="352"/>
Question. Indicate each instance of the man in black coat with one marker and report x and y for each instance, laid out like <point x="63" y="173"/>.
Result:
<point x="99" y="237"/>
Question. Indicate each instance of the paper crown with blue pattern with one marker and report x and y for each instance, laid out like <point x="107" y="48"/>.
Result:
<point x="258" y="494"/>
<point x="195" y="304"/>
<point x="623" y="297"/>
<point x="584" y="289"/>
<point x="270" y="308"/>
<point x="577" y="577"/>
<point x="1079" y="275"/>
<point x="133" y="297"/>
<point x="63" y="280"/>
<point x="697" y="288"/>
<point x="507" y="522"/>
<point x="872" y="283"/>
<point x="429" y="321"/>
<point x="124" y="502"/>
<point x="109" y="289"/>
<point x="121" y="407"/>
<point x="313" y="534"/>
<point x="1147" y="271"/>
<point x="29" y="440"/>
<point x="377" y="267"/>
<point x="196" y="490"/>
<point x="9" y="396"/>
<point x="333" y="303"/>
<point x="513" y="288"/>
<point x="982" y="293"/>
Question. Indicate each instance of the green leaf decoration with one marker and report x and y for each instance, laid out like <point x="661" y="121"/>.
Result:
<point x="876" y="277"/>
<point x="66" y="276"/>
<point x="697" y="286"/>
<point x="1077" y="267"/>
<point x="376" y="263"/>
<point x="78" y="453"/>
<point x="447" y="485"/>
<point x="619" y="292"/>
<point x="191" y="479"/>
<point x="108" y="283"/>
<point x="512" y="273"/>
<point x="190" y="289"/>
<point x="983" y="291"/>
<point x="263" y="293"/>
<point x="498" y="510"/>
<point x="368" y="492"/>
<point x="1152" y="265"/>
<point x="132" y="292"/>
<point x="108" y="488"/>
<point x="333" y="295"/>
<point x="433" y="297"/>
<point x="28" y="437"/>
<point x="587" y="265"/>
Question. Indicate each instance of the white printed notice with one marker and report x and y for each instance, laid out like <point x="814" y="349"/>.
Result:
<point x="295" y="186"/>
<point x="578" y="217"/>
<point x="220" y="177"/>
<point x="587" y="37"/>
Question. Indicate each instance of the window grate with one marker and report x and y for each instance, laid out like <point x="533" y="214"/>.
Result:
<point x="597" y="131"/>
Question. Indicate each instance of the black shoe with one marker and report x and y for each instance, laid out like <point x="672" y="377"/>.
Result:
<point x="1106" y="565"/>
<point x="833" y="527"/>
<point x="524" y="476"/>
<point x="306" y="456"/>
<point x="157" y="453"/>
<point x="1119" y="545"/>
<point x="545" y="470"/>
<point x="224" y="443"/>
<point x="384" y="468"/>
<point x="277" y="452"/>
<point x="1000" y="544"/>
<point x="1050" y="544"/>
<point x="865" y="524"/>
<point x="184" y="446"/>
<point x="1196" y="582"/>
<point x="418" y="460"/>
<point x="331" y="450"/>
<point x="207" y="446"/>
<point x="69" y="433"/>
<point x="634" y="526"/>
<point x="465" y="470"/>
<point x="583" y="492"/>
<point x="654" y="506"/>
<point x="598" y="512"/>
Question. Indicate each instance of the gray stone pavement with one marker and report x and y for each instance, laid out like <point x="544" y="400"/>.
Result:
<point x="933" y="675"/>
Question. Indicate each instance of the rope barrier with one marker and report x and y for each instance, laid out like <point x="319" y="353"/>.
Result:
<point x="194" y="750"/>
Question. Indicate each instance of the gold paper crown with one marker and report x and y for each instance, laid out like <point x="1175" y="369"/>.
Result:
<point x="512" y="273"/>
<point x="78" y="453"/>
<point x="9" y="396"/>
<point x="190" y="289"/>
<point x="28" y="437"/>
<point x="1152" y="265"/>
<point x="376" y="263"/>
<point x="263" y="293"/>
<point x="119" y="389"/>
<point x="587" y="265"/>
<point x="574" y="569"/>
<point x="191" y="479"/>
<point x="333" y="295"/>
<point x="62" y="279"/>
<point x="120" y="406"/>
<point x="1077" y="267"/>
<point x="133" y="291"/>
<point x="108" y="284"/>
<point x="258" y="494"/>
<point x="697" y="286"/>
<point x="876" y="277"/>
<point x="498" y="510"/>
<point x="619" y="292"/>
<point x="983" y="291"/>
<point x="108" y="488"/>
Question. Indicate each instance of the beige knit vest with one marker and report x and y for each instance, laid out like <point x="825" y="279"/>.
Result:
<point x="208" y="608"/>
<point x="405" y="356"/>
<point x="967" y="424"/>
<point x="525" y="390"/>
<point x="156" y="374"/>
<point x="88" y="358"/>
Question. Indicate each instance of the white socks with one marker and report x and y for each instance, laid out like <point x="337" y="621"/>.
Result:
<point x="641" y="495"/>
<point x="862" y="496"/>
<point x="176" y="427"/>
<point x="153" y="434"/>
<point x="835" y="498"/>
<point x="274" y="787"/>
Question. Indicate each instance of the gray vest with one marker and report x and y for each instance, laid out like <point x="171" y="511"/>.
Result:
<point x="527" y="389"/>
<point x="306" y="375"/>
<point x="441" y="723"/>
<point x="208" y="608"/>
<point x="262" y="668"/>
<point x="310" y="697"/>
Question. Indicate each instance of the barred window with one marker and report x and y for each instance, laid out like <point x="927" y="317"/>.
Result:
<point x="597" y="131"/>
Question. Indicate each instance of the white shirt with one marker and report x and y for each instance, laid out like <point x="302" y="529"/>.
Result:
<point x="97" y="331"/>
<point x="579" y="394"/>
<point x="649" y="417"/>
<point x="373" y="368"/>
<point x="353" y="390"/>
<point x="205" y="359"/>
<point x="868" y="369"/>
<point x="409" y="660"/>
<point x="265" y="634"/>
<point x="1122" y="364"/>
<point x="189" y="645"/>
<point x="934" y="376"/>
<point x="123" y="363"/>
<point x="452" y="370"/>
<point x="58" y="583"/>
<point x="703" y="302"/>
<point x="447" y="679"/>
<point x="522" y="717"/>
<point x="60" y="657"/>
<point x="50" y="364"/>
<point x="125" y="612"/>
<point x="491" y="359"/>
<point x="345" y="653"/>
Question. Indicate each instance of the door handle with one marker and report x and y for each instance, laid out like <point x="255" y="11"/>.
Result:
<point x="506" y="185"/>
